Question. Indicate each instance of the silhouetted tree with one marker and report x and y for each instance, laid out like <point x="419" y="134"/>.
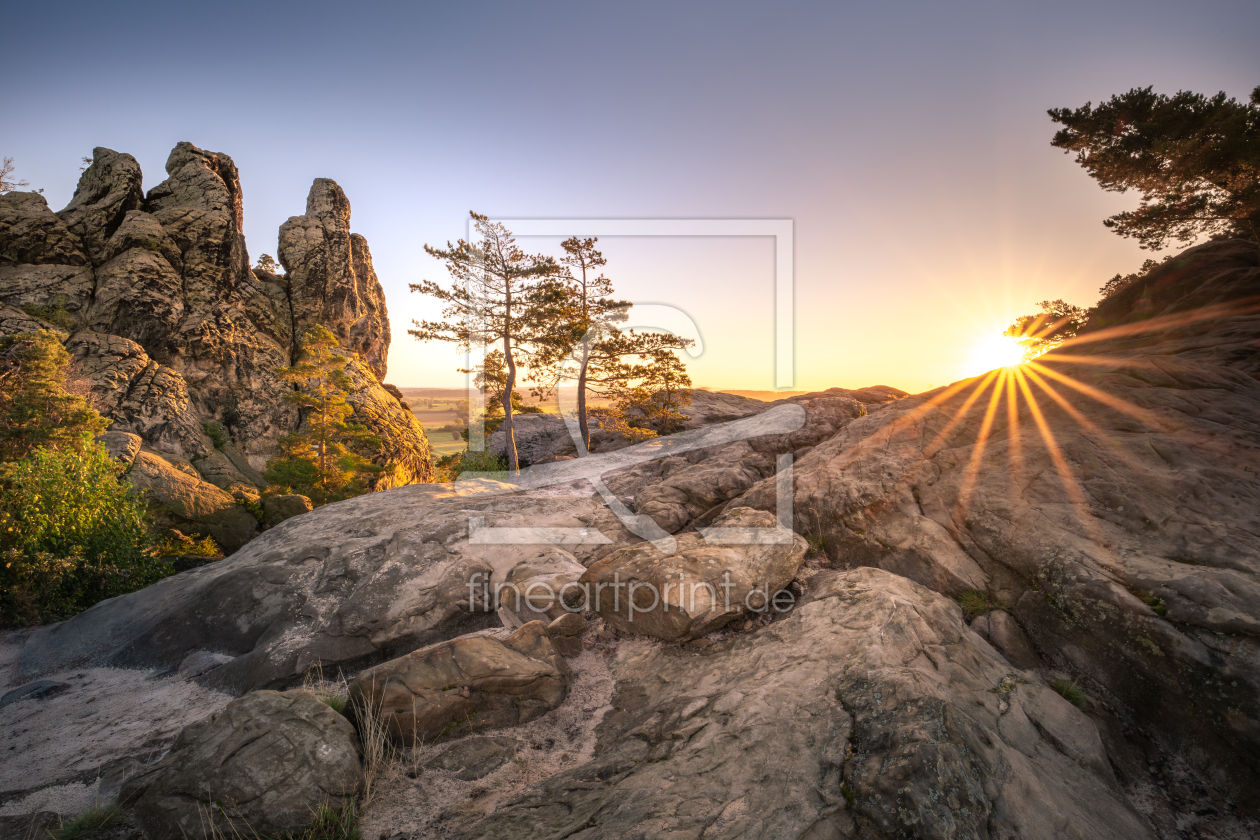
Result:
<point x="1194" y="159"/>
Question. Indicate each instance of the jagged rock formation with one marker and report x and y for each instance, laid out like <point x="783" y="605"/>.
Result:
<point x="1122" y="538"/>
<point x="171" y="327"/>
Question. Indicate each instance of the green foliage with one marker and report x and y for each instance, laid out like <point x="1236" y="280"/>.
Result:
<point x="1123" y="281"/>
<point x="182" y="545"/>
<point x="321" y="460"/>
<point x="96" y="818"/>
<point x="1194" y="159"/>
<point x="1071" y="692"/>
<point x="217" y="433"/>
<point x="847" y="793"/>
<point x="254" y="506"/>
<point x="71" y="535"/>
<point x="483" y="461"/>
<point x="817" y="543"/>
<point x="975" y="603"/>
<point x="336" y="702"/>
<point x="268" y="264"/>
<point x="1153" y="601"/>
<point x="35" y="409"/>
<point x="55" y="315"/>
<point x="1057" y="322"/>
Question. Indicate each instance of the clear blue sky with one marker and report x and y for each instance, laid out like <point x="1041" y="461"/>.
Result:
<point x="909" y="143"/>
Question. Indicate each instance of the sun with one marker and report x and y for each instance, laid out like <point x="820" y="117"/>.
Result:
<point x="994" y="351"/>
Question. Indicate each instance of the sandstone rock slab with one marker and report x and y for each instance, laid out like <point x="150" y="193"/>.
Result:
<point x="466" y="685"/>
<point x="699" y="588"/>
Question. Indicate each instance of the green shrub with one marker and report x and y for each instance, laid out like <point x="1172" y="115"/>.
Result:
<point x="71" y="535"/>
<point x="483" y="461"/>
<point x="172" y="546"/>
<point x="975" y="603"/>
<point x="1071" y="692"/>
<point x="217" y="433"/>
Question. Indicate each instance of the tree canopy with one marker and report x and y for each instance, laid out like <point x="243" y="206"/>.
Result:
<point x="35" y="409"/>
<point x="319" y="460"/>
<point x="1056" y="323"/>
<point x="1194" y="159"/>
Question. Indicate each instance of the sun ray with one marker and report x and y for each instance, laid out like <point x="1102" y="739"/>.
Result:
<point x="939" y="441"/>
<point x="977" y="454"/>
<point x="1121" y="405"/>
<point x="1102" y="435"/>
<point x="1071" y="485"/>
<point x="1014" y="443"/>
<point x="1160" y="323"/>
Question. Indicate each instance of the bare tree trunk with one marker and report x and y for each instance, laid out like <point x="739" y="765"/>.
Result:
<point x="581" y="402"/>
<point x="509" y="437"/>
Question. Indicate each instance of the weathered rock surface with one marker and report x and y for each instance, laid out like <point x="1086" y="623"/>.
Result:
<point x="475" y="758"/>
<point x="268" y="761"/>
<point x="123" y="447"/>
<point x="534" y="589"/>
<point x="191" y="505"/>
<point x="37" y="690"/>
<point x="31" y="234"/>
<point x="870" y="712"/>
<point x="107" y="191"/>
<point x="701" y="586"/>
<point x="538" y="437"/>
<point x="331" y="279"/>
<point x="466" y="685"/>
<point x="277" y="509"/>
<point x="1126" y="546"/>
<point x="351" y="584"/>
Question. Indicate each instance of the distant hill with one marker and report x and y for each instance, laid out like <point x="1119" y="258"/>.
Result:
<point x="765" y="396"/>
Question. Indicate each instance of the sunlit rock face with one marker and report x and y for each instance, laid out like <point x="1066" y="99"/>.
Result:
<point x="171" y="328"/>
<point x="1108" y="496"/>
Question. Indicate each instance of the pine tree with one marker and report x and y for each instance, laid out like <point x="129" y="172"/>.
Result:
<point x="320" y="459"/>
<point x="496" y="297"/>
<point x="35" y="410"/>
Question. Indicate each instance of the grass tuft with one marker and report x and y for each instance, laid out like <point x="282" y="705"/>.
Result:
<point x="975" y="603"/>
<point x="1071" y="692"/>
<point x="93" y="819"/>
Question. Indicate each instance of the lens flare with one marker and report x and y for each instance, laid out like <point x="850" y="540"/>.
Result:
<point x="993" y="352"/>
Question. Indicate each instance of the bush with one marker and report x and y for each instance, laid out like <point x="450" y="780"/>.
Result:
<point x="1071" y="692"/>
<point x="975" y="603"/>
<point x="70" y="535"/>
<point x="483" y="461"/>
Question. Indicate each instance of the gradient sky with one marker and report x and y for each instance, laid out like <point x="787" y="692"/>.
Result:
<point x="909" y="143"/>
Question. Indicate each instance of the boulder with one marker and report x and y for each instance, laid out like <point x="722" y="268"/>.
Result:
<point x="701" y="586"/>
<point x="190" y="505"/>
<point x="538" y="438"/>
<point x="466" y="685"/>
<point x="277" y="509"/>
<point x="123" y="447"/>
<point x="267" y="762"/>
<point x="1117" y="517"/>
<point x="869" y="712"/>
<point x="533" y="589"/>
